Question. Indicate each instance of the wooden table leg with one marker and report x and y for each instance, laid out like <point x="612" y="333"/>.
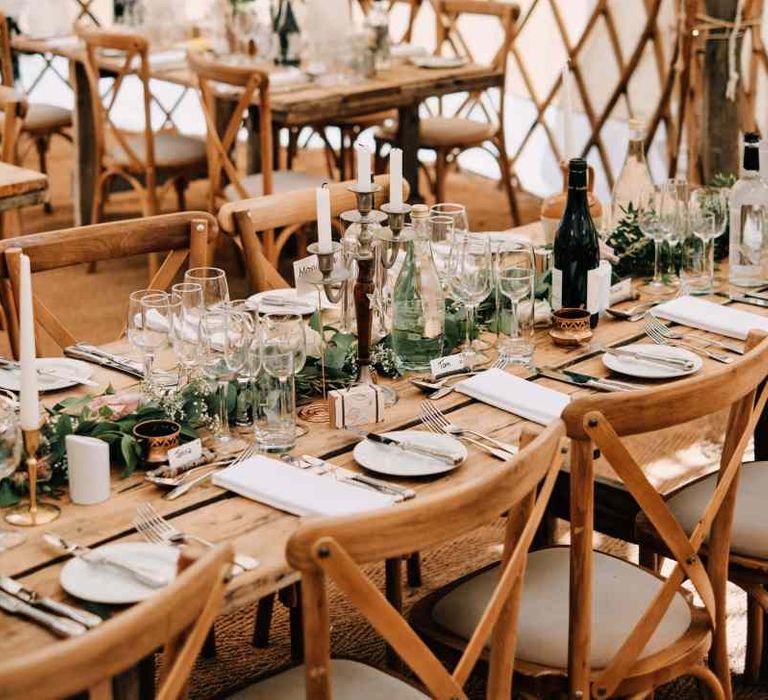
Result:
<point x="408" y="140"/>
<point x="253" y="150"/>
<point x="393" y="585"/>
<point x="86" y="167"/>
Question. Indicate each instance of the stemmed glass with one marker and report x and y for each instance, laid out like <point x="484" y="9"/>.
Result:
<point x="676" y="195"/>
<point x="246" y="396"/>
<point x="515" y="275"/>
<point x="149" y="325"/>
<point x="708" y="211"/>
<point x="470" y="272"/>
<point x="225" y="343"/>
<point x="213" y="281"/>
<point x="10" y="457"/>
<point x="186" y="307"/>
<point x="653" y="218"/>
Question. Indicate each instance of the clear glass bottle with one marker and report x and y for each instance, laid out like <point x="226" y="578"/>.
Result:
<point x="748" y="254"/>
<point x="418" y="321"/>
<point x="635" y="175"/>
<point x="377" y="23"/>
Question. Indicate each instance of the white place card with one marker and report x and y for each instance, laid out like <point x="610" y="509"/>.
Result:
<point x="301" y="269"/>
<point x="185" y="454"/>
<point x="450" y="364"/>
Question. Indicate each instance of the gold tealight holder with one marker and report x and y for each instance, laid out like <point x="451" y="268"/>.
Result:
<point x="32" y="513"/>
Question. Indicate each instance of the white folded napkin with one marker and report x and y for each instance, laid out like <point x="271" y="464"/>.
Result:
<point x="519" y="396"/>
<point x="716" y="318"/>
<point x="287" y="76"/>
<point x="297" y="491"/>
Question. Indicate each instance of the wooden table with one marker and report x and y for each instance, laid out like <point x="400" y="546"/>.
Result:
<point x="403" y="87"/>
<point x="262" y="532"/>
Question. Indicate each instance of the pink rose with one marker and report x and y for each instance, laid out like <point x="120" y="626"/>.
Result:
<point x="120" y="404"/>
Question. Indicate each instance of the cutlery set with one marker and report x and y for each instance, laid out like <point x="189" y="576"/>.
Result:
<point x="405" y="446"/>
<point x="441" y="388"/>
<point x="97" y="356"/>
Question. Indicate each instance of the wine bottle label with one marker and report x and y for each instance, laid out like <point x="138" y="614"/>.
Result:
<point x="557" y="289"/>
<point x="594" y="284"/>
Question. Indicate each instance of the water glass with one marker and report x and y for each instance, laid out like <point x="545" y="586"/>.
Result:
<point x="213" y="281"/>
<point x="515" y="280"/>
<point x="694" y="270"/>
<point x="10" y="457"/>
<point x="274" y="411"/>
<point x="149" y="325"/>
<point x="186" y="307"/>
<point x="708" y="209"/>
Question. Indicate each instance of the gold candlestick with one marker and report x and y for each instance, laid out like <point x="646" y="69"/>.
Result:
<point x="33" y="513"/>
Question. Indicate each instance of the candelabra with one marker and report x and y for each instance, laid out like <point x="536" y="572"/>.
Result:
<point x="376" y="252"/>
<point x="33" y="513"/>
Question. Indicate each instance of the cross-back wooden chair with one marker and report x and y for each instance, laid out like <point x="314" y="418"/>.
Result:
<point x="478" y="122"/>
<point x="149" y="161"/>
<point x="227" y="184"/>
<point x="42" y="121"/>
<point x="333" y="549"/>
<point x="186" y="235"/>
<point x="176" y="619"/>
<point x="643" y="630"/>
<point x="249" y="217"/>
<point x="13" y="108"/>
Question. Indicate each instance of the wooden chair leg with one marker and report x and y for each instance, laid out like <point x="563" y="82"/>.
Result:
<point x="413" y="570"/>
<point x="755" y="632"/>
<point x="42" y="143"/>
<point x="710" y="680"/>
<point x="263" y="621"/>
<point x="180" y="185"/>
<point x="296" y="624"/>
<point x="506" y="181"/>
<point x="393" y="585"/>
<point x="440" y="174"/>
<point x="649" y="559"/>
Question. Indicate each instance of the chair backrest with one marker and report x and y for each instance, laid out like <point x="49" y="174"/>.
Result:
<point x="248" y="217"/>
<point x="6" y="62"/>
<point x="212" y="77"/>
<point x="85" y="12"/>
<point x="187" y="235"/>
<point x="448" y="14"/>
<point x="176" y="619"/>
<point x="335" y="547"/>
<point x="14" y="109"/>
<point x="602" y="421"/>
<point x="127" y="56"/>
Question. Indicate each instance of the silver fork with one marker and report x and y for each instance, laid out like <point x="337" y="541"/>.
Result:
<point x="433" y="426"/>
<point x="155" y="528"/>
<point x="180" y="490"/>
<point x="501" y="362"/>
<point x="669" y="333"/>
<point x="653" y="333"/>
<point x="440" y="419"/>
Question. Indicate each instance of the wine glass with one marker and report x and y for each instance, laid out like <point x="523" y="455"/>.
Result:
<point x="213" y="281"/>
<point x="515" y="279"/>
<point x="10" y="457"/>
<point x="470" y="280"/>
<point x="149" y="325"/>
<point x="186" y="309"/>
<point x="675" y="217"/>
<point x="708" y="209"/>
<point x="653" y="224"/>
<point x="248" y="375"/>
<point x="225" y="343"/>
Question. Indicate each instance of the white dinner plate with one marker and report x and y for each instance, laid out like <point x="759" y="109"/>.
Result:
<point x="288" y="301"/>
<point x="391" y="460"/>
<point x="105" y="584"/>
<point x="648" y="370"/>
<point x="68" y="373"/>
<point x="438" y="62"/>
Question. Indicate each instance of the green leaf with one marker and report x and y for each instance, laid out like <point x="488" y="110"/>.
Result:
<point x="8" y="495"/>
<point x="128" y="448"/>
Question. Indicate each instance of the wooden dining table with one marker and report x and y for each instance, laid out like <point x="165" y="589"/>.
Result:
<point x="402" y="87"/>
<point x="669" y="459"/>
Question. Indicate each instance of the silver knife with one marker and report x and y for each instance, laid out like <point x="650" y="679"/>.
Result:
<point x="559" y="376"/>
<point x="148" y="577"/>
<point x="403" y="492"/>
<point x="753" y="301"/>
<point x="32" y="598"/>
<point x="60" y="626"/>
<point x="665" y="361"/>
<point x="422" y="450"/>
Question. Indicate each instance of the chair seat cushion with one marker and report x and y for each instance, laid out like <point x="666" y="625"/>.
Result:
<point x="620" y="595"/>
<point x="282" y="181"/>
<point x="749" y="534"/>
<point x="171" y="150"/>
<point x="445" y="132"/>
<point x="43" y="117"/>
<point x="351" y="680"/>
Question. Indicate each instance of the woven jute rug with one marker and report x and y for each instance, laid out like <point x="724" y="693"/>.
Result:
<point x="238" y="663"/>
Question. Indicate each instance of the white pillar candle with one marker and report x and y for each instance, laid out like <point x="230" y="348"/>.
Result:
<point x="88" y="467"/>
<point x="323" y="202"/>
<point x="396" y="177"/>
<point x="29" y="402"/>
<point x="363" y="166"/>
<point x="567" y="107"/>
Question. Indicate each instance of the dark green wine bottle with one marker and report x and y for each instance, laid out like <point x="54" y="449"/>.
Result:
<point x="575" y="279"/>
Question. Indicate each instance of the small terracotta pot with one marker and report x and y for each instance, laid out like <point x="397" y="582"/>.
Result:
<point x="156" y="437"/>
<point x="571" y="326"/>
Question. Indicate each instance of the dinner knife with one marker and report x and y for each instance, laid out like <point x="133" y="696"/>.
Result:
<point x="662" y="361"/>
<point x="588" y="378"/>
<point x="60" y="626"/>
<point x="576" y="379"/>
<point x="92" y="354"/>
<point x="402" y="492"/>
<point x="32" y="598"/>
<point x="422" y="450"/>
<point x="753" y="301"/>
<point x="142" y="574"/>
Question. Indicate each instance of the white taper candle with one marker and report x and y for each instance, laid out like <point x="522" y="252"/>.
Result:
<point x="396" y="177"/>
<point x="29" y="400"/>
<point x="363" y="165"/>
<point x="323" y="201"/>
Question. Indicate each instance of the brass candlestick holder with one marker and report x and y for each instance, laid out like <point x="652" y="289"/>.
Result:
<point x="330" y="280"/>
<point x="33" y="513"/>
